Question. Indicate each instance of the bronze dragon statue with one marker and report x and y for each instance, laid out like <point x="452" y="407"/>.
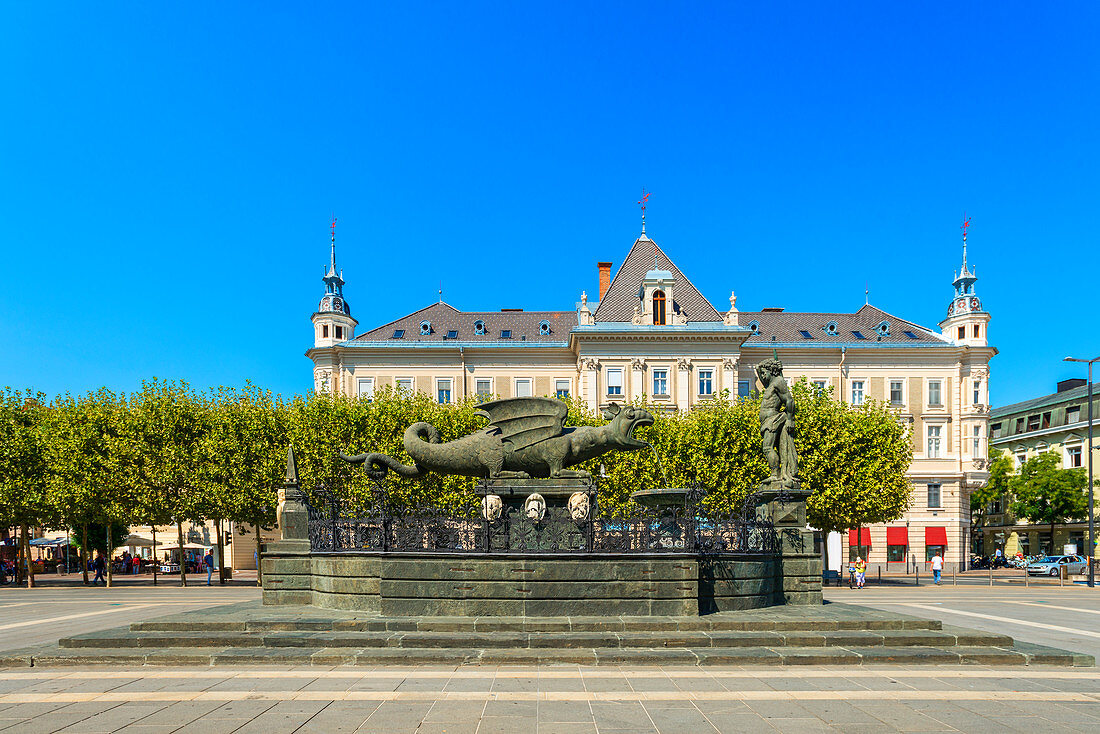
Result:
<point x="526" y="437"/>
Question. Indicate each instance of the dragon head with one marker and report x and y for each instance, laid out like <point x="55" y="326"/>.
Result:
<point x="624" y="420"/>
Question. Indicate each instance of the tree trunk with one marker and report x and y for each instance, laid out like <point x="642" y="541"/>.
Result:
<point x="84" y="552"/>
<point x="221" y="552"/>
<point x="110" y="557"/>
<point x="156" y="560"/>
<point x="259" y="558"/>
<point x="825" y="550"/>
<point x="183" y="566"/>
<point x="27" y="555"/>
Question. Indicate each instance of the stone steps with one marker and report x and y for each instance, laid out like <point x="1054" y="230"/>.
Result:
<point x="756" y="655"/>
<point x="467" y="639"/>
<point x="744" y="623"/>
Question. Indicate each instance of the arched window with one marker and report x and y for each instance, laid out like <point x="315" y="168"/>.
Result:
<point x="659" y="308"/>
<point x="544" y="328"/>
<point x="479" y="327"/>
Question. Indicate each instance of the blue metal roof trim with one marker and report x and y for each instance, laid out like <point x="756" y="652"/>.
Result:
<point x="850" y="345"/>
<point x="450" y="344"/>
<point x="614" y="326"/>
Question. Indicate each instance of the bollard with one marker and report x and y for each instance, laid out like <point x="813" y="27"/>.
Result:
<point x="1026" y="579"/>
<point x="990" y="574"/>
<point x="954" y="581"/>
<point x="1062" y="575"/>
<point x="880" y="575"/>
<point x="916" y="576"/>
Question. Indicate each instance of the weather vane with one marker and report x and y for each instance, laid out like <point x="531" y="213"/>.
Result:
<point x="333" y="227"/>
<point x="642" y="202"/>
<point x="966" y="224"/>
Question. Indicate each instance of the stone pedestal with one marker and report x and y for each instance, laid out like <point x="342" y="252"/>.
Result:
<point x="799" y="565"/>
<point x="285" y="564"/>
<point x="556" y="530"/>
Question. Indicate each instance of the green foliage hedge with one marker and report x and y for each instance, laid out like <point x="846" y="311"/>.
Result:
<point x="168" y="452"/>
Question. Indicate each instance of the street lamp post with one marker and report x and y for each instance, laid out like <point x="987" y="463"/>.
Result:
<point x="1092" y="523"/>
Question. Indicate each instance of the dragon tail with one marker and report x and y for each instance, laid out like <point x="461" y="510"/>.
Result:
<point x="379" y="464"/>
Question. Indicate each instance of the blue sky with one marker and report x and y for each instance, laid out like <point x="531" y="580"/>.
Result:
<point x="169" y="170"/>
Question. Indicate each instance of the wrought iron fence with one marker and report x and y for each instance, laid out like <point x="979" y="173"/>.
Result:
<point x="386" y="526"/>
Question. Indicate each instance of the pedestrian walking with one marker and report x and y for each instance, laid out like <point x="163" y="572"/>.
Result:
<point x="937" y="568"/>
<point x="208" y="561"/>
<point x="861" y="572"/>
<point x="99" y="566"/>
<point x="851" y="574"/>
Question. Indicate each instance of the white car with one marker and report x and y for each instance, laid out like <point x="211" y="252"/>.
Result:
<point x="1049" y="565"/>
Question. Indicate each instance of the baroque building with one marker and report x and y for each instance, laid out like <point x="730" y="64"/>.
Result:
<point x="649" y="331"/>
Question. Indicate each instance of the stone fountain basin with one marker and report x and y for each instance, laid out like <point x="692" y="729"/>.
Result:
<point x="660" y="497"/>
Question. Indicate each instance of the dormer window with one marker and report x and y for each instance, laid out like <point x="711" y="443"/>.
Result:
<point x="883" y="328"/>
<point x="425" y="328"/>
<point x="831" y="328"/>
<point x="659" y="308"/>
<point x="754" y="326"/>
<point x="544" y="328"/>
<point x="479" y="327"/>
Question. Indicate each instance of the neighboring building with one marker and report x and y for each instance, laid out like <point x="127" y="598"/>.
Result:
<point x="1057" y="422"/>
<point x="653" y="333"/>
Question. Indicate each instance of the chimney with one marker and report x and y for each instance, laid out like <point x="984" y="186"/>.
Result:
<point x="605" y="277"/>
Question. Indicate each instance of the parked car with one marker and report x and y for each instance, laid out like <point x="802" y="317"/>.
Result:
<point x="1049" y="565"/>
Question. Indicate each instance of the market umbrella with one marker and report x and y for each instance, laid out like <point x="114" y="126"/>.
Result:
<point x="137" y="541"/>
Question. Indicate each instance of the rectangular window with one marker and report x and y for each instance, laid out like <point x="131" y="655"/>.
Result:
<point x="962" y="332"/>
<point x="366" y="388"/>
<point x="405" y="384"/>
<point x="977" y="392"/>
<point x="935" y="396"/>
<point x="398" y="334"/>
<point x="934" y="441"/>
<point x="996" y="428"/>
<point x="897" y="392"/>
<point x="443" y="391"/>
<point x="615" y="382"/>
<point x="1033" y="423"/>
<point x="1073" y="457"/>
<point x="820" y="385"/>
<point x="523" y="388"/>
<point x="324" y="331"/>
<point x="977" y="331"/>
<point x="1046" y="420"/>
<point x="977" y="440"/>
<point x="743" y="388"/>
<point x="1020" y="459"/>
<point x="1019" y="425"/>
<point x="858" y="335"/>
<point x="934" y="496"/>
<point x="706" y="382"/>
<point x="483" y="388"/>
<point x="1073" y="415"/>
<point x="561" y="388"/>
<point x="505" y="333"/>
<point x="895" y="553"/>
<point x="996" y="507"/>
<point x="660" y="382"/>
<point x="452" y="334"/>
<point x="857" y="392"/>
<point x="930" y="551"/>
<point x="339" y="332"/>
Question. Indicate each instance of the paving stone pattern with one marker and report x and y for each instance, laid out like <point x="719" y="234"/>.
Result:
<point x="548" y="700"/>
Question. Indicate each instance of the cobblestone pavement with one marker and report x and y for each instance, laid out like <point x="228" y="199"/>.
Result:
<point x="549" y="700"/>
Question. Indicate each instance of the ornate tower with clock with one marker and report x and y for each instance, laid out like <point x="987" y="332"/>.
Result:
<point x="332" y="321"/>
<point x="967" y="322"/>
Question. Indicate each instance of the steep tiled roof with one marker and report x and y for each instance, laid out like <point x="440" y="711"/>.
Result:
<point x="786" y="327"/>
<point x="445" y="318"/>
<point x="619" y="301"/>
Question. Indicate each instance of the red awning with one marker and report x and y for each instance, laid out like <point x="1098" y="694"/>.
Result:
<point x="865" y="536"/>
<point x="897" y="536"/>
<point x="935" y="536"/>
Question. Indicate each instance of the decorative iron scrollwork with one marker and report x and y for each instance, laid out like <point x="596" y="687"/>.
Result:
<point x="385" y="526"/>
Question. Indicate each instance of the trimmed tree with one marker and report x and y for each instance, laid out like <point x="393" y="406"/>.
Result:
<point x="1045" y="493"/>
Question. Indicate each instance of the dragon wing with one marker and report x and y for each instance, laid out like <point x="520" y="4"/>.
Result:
<point x="525" y="421"/>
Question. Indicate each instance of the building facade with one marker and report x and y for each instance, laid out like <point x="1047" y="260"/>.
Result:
<point x="651" y="332"/>
<point x="1056" y="422"/>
